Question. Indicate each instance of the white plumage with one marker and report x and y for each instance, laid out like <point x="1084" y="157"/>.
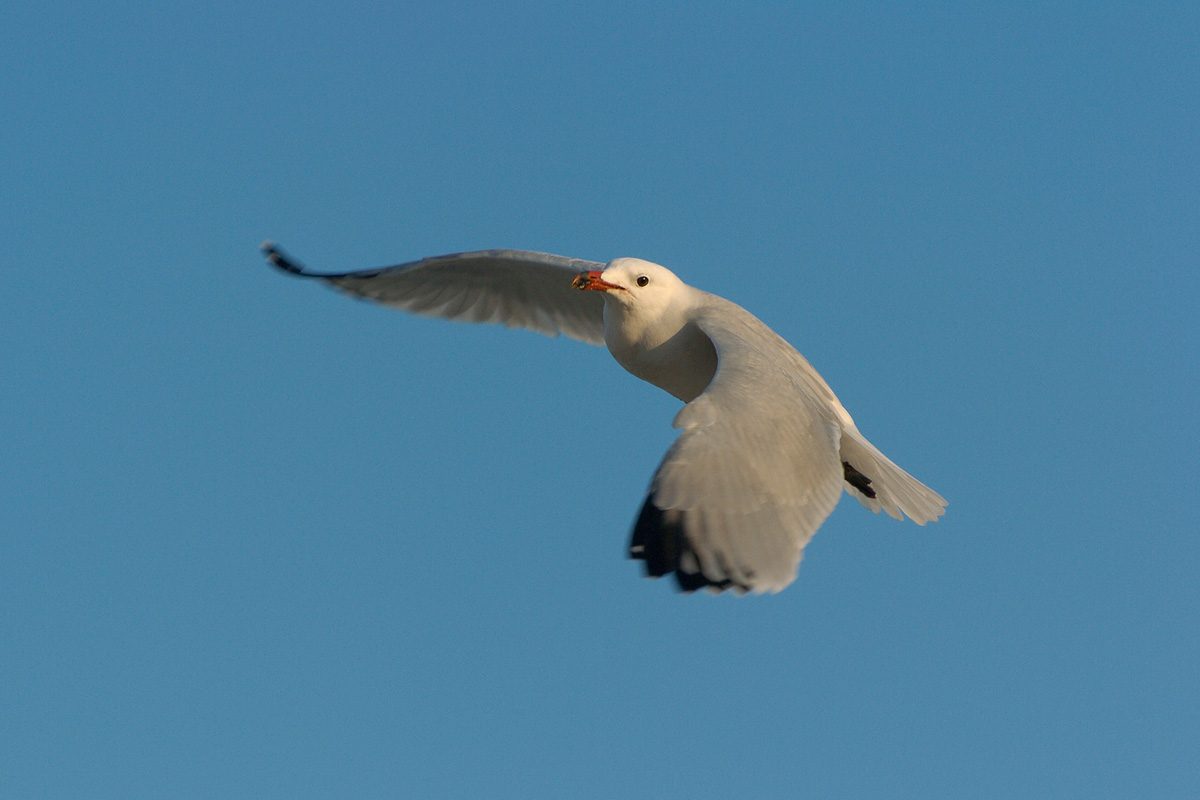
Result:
<point x="766" y="447"/>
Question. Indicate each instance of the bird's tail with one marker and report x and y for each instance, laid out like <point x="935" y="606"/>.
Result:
<point x="882" y="486"/>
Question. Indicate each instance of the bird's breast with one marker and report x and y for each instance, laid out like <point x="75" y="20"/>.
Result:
<point x="682" y="364"/>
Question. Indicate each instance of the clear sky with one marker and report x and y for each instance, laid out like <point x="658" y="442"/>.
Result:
<point x="259" y="540"/>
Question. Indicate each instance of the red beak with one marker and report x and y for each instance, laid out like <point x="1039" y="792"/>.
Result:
<point x="591" y="280"/>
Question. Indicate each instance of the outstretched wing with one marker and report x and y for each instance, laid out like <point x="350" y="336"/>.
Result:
<point x="516" y="288"/>
<point x="755" y="471"/>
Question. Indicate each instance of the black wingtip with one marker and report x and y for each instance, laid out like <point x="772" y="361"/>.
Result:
<point x="659" y="540"/>
<point x="277" y="259"/>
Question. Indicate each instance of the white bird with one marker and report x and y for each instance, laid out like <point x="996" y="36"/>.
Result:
<point x="766" y="448"/>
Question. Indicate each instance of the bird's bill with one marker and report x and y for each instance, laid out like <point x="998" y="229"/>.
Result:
<point x="590" y="279"/>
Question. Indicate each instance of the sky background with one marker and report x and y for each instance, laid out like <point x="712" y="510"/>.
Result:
<point x="259" y="540"/>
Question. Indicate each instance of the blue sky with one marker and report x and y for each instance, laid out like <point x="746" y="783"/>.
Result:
<point x="258" y="540"/>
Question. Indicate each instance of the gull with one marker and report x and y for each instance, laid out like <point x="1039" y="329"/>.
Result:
<point x="766" y="448"/>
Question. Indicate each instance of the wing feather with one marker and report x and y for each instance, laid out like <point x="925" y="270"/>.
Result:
<point x="516" y="288"/>
<point x="754" y="472"/>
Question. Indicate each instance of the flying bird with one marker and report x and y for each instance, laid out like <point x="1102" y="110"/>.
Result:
<point x="766" y="448"/>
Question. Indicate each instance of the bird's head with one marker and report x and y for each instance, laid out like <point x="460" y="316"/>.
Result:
<point x="635" y="286"/>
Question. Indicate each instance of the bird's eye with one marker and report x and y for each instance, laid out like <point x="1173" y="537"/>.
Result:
<point x="642" y="280"/>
